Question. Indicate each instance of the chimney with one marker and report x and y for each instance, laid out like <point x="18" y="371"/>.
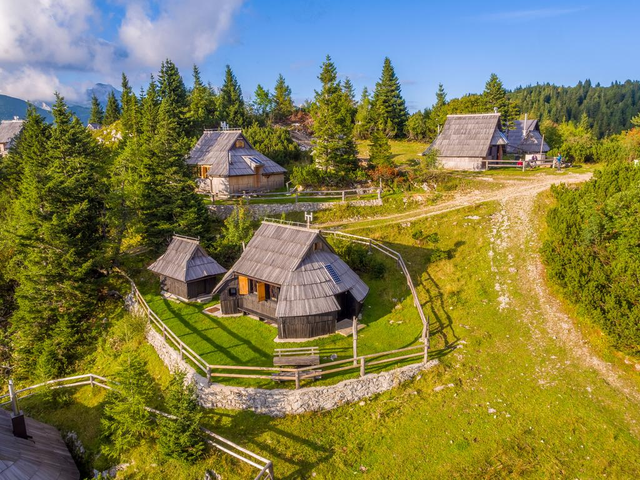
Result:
<point x="18" y="422"/>
<point x="495" y="110"/>
<point x="524" y="127"/>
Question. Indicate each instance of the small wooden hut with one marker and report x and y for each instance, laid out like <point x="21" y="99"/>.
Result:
<point x="468" y="141"/>
<point x="526" y="139"/>
<point x="9" y="132"/>
<point x="186" y="270"/>
<point x="292" y="276"/>
<point x="225" y="162"/>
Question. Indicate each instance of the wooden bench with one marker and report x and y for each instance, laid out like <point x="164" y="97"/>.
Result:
<point x="291" y="376"/>
<point x="296" y="357"/>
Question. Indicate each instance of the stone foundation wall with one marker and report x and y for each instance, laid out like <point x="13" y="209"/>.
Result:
<point x="281" y="402"/>
<point x="264" y="210"/>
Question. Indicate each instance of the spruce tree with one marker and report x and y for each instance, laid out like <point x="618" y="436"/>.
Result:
<point x="364" y="120"/>
<point x="201" y="106"/>
<point x="262" y="103"/>
<point x="129" y="116"/>
<point x="230" y="102"/>
<point x="180" y="438"/>
<point x="97" y="113"/>
<point x="173" y="93"/>
<point x="58" y="223"/>
<point x="112" y="112"/>
<point x="389" y="106"/>
<point x="380" y="150"/>
<point x="496" y="97"/>
<point x="282" y="103"/>
<point x="349" y="98"/>
<point x="334" y="148"/>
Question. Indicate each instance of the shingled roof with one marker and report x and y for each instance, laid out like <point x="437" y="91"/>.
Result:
<point x="44" y="456"/>
<point x="309" y="278"/>
<point x="9" y="129"/>
<point x="216" y="148"/>
<point x="469" y="135"/>
<point x="185" y="260"/>
<point x="530" y="142"/>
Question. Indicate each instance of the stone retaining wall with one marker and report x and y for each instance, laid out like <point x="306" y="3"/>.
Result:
<point x="281" y="402"/>
<point x="265" y="209"/>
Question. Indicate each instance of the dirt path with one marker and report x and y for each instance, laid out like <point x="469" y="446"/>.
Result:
<point x="530" y="186"/>
<point x="517" y="230"/>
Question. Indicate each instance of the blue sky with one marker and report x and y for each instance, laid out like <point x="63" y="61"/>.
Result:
<point x="458" y="43"/>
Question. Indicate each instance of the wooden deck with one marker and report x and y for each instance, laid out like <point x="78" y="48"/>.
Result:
<point x="44" y="456"/>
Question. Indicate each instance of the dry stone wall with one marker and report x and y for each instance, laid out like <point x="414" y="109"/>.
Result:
<point x="263" y="210"/>
<point x="281" y="402"/>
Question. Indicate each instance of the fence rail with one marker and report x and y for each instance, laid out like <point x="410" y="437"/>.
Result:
<point x="306" y="194"/>
<point x="264" y="466"/>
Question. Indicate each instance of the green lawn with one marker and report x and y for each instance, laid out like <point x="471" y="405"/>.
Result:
<point x="403" y="151"/>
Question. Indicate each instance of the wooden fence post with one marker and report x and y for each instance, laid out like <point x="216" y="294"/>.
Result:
<point x="296" y="197"/>
<point x="362" y="366"/>
<point x="354" y="324"/>
<point x="181" y="354"/>
<point x="297" y="379"/>
<point x="270" y="471"/>
<point x="91" y="379"/>
<point x="14" y="399"/>
<point x="343" y="195"/>
<point x="208" y="374"/>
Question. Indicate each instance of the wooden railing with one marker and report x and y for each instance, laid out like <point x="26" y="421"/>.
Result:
<point x="297" y="195"/>
<point x="264" y="466"/>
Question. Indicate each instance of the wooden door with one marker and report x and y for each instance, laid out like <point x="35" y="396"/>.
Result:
<point x="262" y="292"/>
<point x="243" y="285"/>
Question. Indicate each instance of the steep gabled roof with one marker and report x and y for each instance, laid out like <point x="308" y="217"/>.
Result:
<point x="216" y="149"/>
<point x="9" y="129"/>
<point x="469" y="135"/>
<point x="185" y="260"/>
<point x="309" y="279"/>
<point x="528" y="141"/>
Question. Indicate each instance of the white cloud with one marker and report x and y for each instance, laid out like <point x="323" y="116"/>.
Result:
<point x="41" y="39"/>
<point x="185" y="31"/>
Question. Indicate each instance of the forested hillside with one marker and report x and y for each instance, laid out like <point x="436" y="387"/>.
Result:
<point x="593" y="250"/>
<point x="609" y="109"/>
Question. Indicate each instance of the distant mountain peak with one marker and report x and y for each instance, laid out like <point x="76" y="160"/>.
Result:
<point x="101" y="91"/>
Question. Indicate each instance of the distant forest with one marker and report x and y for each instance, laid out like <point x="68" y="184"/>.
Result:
<point x="609" y="109"/>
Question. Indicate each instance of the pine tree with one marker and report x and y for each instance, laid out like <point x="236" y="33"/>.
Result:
<point x="364" y="120"/>
<point x="389" y="106"/>
<point x="262" y="102"/>
<point x="125" y="421"/>
<point x="201" y="109"/>
<point x="441" y="97"/>
<point x="334" y="148"/>
<point x="173" y="94"/>
<point x="180" y="438"/>
<point x="380" y="150"/>
<point x="58" y="222"/>
<point x="349" y="99"/>
<point x="129" y="116"/>
<point x="97" y="113"/>
<point x="230" y="102"/>
<point x="112" y="112"/>
<point x="282" y="103"/>
<point x="496" y="97"/>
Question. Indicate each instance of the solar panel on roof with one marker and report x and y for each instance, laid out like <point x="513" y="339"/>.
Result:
<point x="334" y="275"/>
<point x="256" y="160"/>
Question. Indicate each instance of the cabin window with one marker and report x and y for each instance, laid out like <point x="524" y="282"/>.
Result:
<point x="203" y="171"/>
<point x="233" y="292"/>
<point x="243" y="284"/>
<point x="262" y="291"/>
<point x="317" y="246"/>
<point x="274" y="292"/>
<point x="239" y="143"/>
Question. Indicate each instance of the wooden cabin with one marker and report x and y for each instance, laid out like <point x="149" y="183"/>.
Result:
<point x="186" y="270"/>
<point x="224" y="162"/>
<point x="291" y="276"/>
<point x="526" y="139"/>
<point x="468" y="141"/>
<point x="9" y="132"/>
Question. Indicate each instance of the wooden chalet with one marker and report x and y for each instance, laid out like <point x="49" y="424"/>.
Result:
<point x="526" y="139"/>
<point x="291" y="276"/>
<point x="467" y="142"/>
<point x="186" y="270"/>
<point x="225" y="162"/>
<point x="9" y="131"/>
<point x="42" y="456"/>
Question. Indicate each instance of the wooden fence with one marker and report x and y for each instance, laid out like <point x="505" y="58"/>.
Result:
<point x="264" y="466"/>
<point x="296" y="196"/>
<point x="523" y="164"/>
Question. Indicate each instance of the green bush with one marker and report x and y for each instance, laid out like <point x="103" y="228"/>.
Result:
<point x="593" y="250"/>
<point x="359" y="259"/>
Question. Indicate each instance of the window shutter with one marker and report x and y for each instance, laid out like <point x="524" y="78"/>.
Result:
<point x="243" y="284"/>
<point x="262" y="292"/>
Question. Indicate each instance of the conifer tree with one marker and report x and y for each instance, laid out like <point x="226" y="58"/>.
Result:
<point x="201" y="109"/>
<point x="112" y="112"/>
<point x="380" y="150"/>
<point x="389" y="106"/>
<point x="364" y="120"/>
<point x="129" y="116"/>
<point x="349" y="98"/>
<point x="441" y="97"/>
<point x="262" y="102"/>
<point x="282" y="102"/>
<point x="97" y="113"/>
<point x="496" y="97"/>
<point x="230" y="102"/>
<point x="180" y="438"/>
<point x="334" y="148"/>
<point x="173" y="93"/>
<point x="58" y="223"/>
